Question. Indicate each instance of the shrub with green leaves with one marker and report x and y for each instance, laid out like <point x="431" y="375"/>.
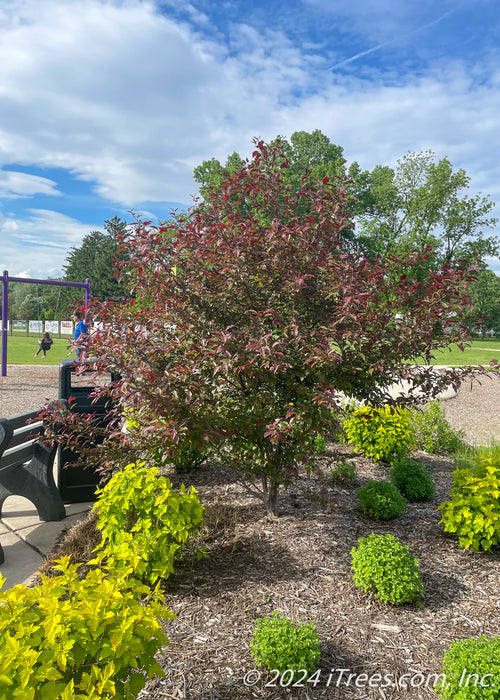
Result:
<point x="344" y="473"/>
<point x="473" y="512"/>
<point x="385" y="567"/>
<point x="472" y="670"/>
<point x="381" y="500"/>
<point x="80" y="638"/>
<point x="412" y="480"/>
<point x="432" y="432"/>
<point x="186" y="454"/>
<point x="278" y="643"/>
<point x="382" y="434"/>
<point x="143" y="521"/>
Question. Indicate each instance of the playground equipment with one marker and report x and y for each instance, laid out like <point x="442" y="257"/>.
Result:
<point x="5" y="304"/>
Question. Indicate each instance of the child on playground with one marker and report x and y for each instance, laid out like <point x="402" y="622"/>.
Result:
<point x="45" y="344"/>
<point x="80" y="336"/>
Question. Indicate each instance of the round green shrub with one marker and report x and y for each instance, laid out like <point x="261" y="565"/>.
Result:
<point x="279" y="644"/>
<point x="381" y="500"/>
<point x="382" y="434"/>
<point x="344" y="473"/>
<point x="385" y="567"/>
<point x="412" y="480"/>
<point x="472" y="670"/>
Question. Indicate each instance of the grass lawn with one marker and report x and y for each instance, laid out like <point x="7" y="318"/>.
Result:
<point x="481" y="352"/>
<point x="21" y="351"/>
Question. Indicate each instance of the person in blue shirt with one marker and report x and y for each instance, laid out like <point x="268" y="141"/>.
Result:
<point x="80" y="336"/>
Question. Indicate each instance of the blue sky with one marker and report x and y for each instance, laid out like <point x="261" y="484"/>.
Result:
<point x="108" y="105"/>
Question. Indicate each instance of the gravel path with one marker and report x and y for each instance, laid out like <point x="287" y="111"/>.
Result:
<point x="27" y="387"/>
<point x="475" y="410"/>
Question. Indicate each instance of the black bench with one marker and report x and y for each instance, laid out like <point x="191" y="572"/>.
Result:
<point x="26" y="466"/>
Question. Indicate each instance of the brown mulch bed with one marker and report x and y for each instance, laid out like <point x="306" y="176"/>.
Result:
<point x="300" y="565"/>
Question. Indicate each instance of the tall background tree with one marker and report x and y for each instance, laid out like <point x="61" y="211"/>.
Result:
<point x="96" y="258"/>
<point x="419" y="204"/>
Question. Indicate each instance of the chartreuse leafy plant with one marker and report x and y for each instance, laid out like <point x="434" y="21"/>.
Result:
<point x="432" y="432"/>
<point x="385" y="567"/>
<point x="254" y="313"/>
<point x="278" y="643"/>
<point x="382" y="434"/>
<point x="143" y="521"/>
<point x="413" y="480"/>
<point x="80" y="638"/>
<point x="473" y="512"/>
<point x="381" y="500"/>
<point x="471" y="670"/>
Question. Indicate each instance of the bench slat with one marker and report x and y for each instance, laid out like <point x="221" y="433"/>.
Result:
<point x="18" y="454"/>
<point x="29" y="432"/>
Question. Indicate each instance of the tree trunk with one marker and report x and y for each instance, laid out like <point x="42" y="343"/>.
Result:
<point x="270" y="489"/>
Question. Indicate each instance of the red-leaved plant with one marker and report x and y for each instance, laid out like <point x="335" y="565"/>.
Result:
<point x="253" y="312"/>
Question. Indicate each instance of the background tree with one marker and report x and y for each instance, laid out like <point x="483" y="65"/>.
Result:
<point x="250" y="317"/>
<point x="419" y="204"/>
<point x="485" y="293"/>
<point x="96" y="257"/>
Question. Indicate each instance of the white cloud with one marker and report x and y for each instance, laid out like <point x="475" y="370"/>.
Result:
<point x="15" y="184"/>
<point x="129" y="100"/>
<point x="38" y="245"/>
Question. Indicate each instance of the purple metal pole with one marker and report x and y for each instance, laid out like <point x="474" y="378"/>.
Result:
<point x="5" y="311"/>
<point x="87" y="293"/>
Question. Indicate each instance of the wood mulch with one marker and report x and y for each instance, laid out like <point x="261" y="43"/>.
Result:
<point x="300" y="565"/>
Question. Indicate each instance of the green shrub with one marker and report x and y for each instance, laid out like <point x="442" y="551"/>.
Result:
<point x="474" y="509"/>
<point x="279" y="644"/>
<point x="187" y="458"/>
<point x="80" y="639"/>
<point x="385" y="567"/>
<point x="412" y="480"/>
<point x="344" y="473"/>
<point x="381" y="500"/>
<point x="472" y="668"/>
<point x="318" y="444"/>
<point x="144" y="522"/>
<point x="382" y="434"/>
<point x="432" y="431"/>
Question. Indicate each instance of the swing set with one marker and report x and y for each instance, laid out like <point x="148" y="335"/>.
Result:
<point x="5" y="304"/>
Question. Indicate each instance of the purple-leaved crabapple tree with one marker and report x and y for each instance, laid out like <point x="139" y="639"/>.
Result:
<point x="252" y="314"/>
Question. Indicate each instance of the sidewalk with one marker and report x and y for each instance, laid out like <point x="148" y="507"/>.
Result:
<point x="26" y="540"/>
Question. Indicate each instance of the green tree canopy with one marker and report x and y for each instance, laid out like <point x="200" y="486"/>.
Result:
<point x="485" y="293"/>
<point x="96" y="258"/>
<point x="422" y="203"/>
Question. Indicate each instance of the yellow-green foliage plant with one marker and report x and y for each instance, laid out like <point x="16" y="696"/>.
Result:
<point x="382" y="434"/>
<point x="471" y="670"/>
<point x="386" y="568"/>
<point x="473" y="512"/>
<point x="279" y="644"/>
<point x="144" y="522"/>
<point x="75" y="638"/>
